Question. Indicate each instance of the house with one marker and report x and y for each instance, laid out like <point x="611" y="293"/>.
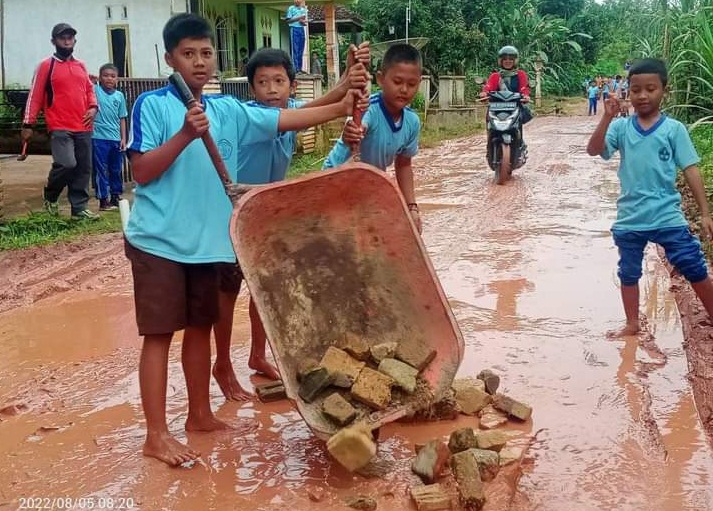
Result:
<point x="128" y="33"/>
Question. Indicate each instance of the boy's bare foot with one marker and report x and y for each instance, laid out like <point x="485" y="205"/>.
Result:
<point x="629" y="329"/>
<point x="228" y="383"/>
<point x="263" y="367"/>
<point x="165" y="448"/>
<point x="212" y="423"/>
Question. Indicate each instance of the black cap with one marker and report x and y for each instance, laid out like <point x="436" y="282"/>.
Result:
<point x="61" y="28"/>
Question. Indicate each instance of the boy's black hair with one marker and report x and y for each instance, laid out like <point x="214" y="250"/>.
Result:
<point x="269" y="57"/>
<point x="185" y="26"/>
<point x="650" y="66"/>
<point x="400" y="53"/>
<point x="106" y="66"/>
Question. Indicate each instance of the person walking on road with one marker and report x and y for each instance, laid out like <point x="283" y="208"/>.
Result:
<point x="62" y="89"/>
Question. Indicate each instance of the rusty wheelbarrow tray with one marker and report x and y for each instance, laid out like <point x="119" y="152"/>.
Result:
<point x="336" y="252"/>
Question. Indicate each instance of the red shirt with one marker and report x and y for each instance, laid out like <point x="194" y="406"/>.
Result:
<point x="493" y="83"/>
<point x="65" y="99"/>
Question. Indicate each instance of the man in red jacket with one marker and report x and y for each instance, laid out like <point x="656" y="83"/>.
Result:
<point x="61" y="87"/>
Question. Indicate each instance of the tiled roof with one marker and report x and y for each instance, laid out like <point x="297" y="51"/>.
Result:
<point x="342" y="14"/>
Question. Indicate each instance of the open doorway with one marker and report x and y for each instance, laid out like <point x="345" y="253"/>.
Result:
<point x="119" y="48"/>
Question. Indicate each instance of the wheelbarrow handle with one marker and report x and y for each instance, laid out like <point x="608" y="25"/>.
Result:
<point x="187" y="97"/>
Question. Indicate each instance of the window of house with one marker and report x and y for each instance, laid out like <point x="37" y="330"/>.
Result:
<point x="118" y="36"/>
<point x="224" y="44"/>
<point x="267" y="40"/>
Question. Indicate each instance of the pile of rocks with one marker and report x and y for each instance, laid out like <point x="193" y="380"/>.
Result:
<point x="473" y="457"/>
<point x="352" y="372"/>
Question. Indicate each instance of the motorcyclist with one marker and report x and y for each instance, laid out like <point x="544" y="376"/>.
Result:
<point x="509" y="77"/>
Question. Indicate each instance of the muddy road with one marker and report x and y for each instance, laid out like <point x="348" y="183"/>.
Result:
<point x="530" y="272"/>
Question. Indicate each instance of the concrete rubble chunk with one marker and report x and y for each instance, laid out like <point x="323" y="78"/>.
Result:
<point x="512" y="407"/>
<point x="313" y="383"/>
<point x="431" y="460"/>
<point x="462" y="440"/>
<point x="373" y="388"/>
<point x="488" y="463"/>
<point x="415" y="354"/>
<point x="492" y="440"/>
<point x="510" y="454"/>
<point x="470" y="396"/>
<point x="339" y="361"/>
<point x="491" y="380"/>
<point x="355" y="345"/>
<point x="384" y="350"/>
<point x="343" y="381"/>
<point x="467" y="475"/>
<point x="362" y="502"/>
<point x="273" y="391"/>
<point x="430" y="497"/>
<point x="490" y="418"/>
<point x="404" y="375"/>
<point x="338" y="409"/>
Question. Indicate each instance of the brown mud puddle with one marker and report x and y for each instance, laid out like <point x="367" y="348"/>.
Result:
<point x="529" y="269"/>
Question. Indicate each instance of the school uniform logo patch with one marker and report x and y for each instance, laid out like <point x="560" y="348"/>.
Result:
<point x="225" y="148"/>
<point x="664" y="154"/>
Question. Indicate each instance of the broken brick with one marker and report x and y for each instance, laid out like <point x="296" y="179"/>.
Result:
<point x="471" y="396"/>
<point x="355" y="346"/>
<point x="373" y="388"/>
<point x="353" y="447"/>
<point x="512" y="407"/>
<point x="305" y="365"/>
<point x="273" y="391"/>
<point x="488" y="463"/>
<point x="384" y="350"/>
<point x="491" y="380"/>
<point x="338" y="409"/>
<point x="339" y="361"/>
<point x="462" y="440"/>
<point x="467" y="474"/>
<point x="415" y="354"/>
<point x="430" y="497"/>
<point x="490" y="418"/>
<point x="431" y="460"/>
<point x="492" y="440"/>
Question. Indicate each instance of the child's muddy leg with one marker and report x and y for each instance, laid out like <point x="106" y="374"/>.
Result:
<point x="223" y="371"/>
<point x="258" y="361"/>
<point x="153" y="379"/>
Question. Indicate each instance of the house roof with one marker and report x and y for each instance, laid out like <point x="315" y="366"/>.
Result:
<point x="344" y="16"/>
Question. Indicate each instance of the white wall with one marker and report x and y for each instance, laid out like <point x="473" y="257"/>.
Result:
<point x="28" y="25"/>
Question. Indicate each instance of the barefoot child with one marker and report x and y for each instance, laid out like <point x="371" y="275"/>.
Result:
<point x="178" y="228"/>
<point x="653" y="147"/>
<point x="271" y="76"/>
<point x="390" y="129"/>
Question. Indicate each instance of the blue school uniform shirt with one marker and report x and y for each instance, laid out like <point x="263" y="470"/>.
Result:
<point x="650" y="159"/>
<point x="183" y="215"/>
<point x="384" y="139"/>
<point x="593" y="91"/>
<point x="112" y="108"/>
<point x="293" y="11"/>
<point x="267" y="162"/>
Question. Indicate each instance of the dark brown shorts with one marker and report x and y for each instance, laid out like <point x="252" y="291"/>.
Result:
<point x="169" y="296"/>
<point x="230" y="277"/>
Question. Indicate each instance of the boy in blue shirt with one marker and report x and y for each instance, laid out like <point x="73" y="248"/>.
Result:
<point x="271" y="76"/>
<point x="390" y="130"/>
<point x="178" y="228"/>
<point x="296" y="18"/>
<point x="653" y="147"/>
<point x="593" y="94"/>
<point x="109" y="138"/>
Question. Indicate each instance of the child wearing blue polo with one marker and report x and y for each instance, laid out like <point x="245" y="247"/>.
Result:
<point x="296" y="18"/>
<point x="593" y="95"/>
<point x="653" y="147"/>
<point x="109" y="138"/>
<point x="179" y="224"/>
<point x="271" y="76"/>
<point x="390" y="130"/>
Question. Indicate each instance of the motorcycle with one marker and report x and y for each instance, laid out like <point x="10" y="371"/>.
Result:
<point x="506" y="150"/>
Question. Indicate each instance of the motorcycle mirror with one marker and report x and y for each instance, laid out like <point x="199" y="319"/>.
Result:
<point x="479" y="80"/>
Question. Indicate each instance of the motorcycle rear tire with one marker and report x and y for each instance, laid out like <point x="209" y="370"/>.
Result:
<point x="503" y="172"/>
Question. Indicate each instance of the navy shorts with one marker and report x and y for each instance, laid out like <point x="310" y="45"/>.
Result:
<point x="683" y="250"/>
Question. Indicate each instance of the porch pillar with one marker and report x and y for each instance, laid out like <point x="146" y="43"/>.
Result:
<point x="330" y="28"/>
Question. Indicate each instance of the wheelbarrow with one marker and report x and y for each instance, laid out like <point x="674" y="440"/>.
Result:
<point x="336" y="252"/>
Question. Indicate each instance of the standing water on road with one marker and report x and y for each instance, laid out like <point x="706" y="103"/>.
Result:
<point x="530" y="272"/>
